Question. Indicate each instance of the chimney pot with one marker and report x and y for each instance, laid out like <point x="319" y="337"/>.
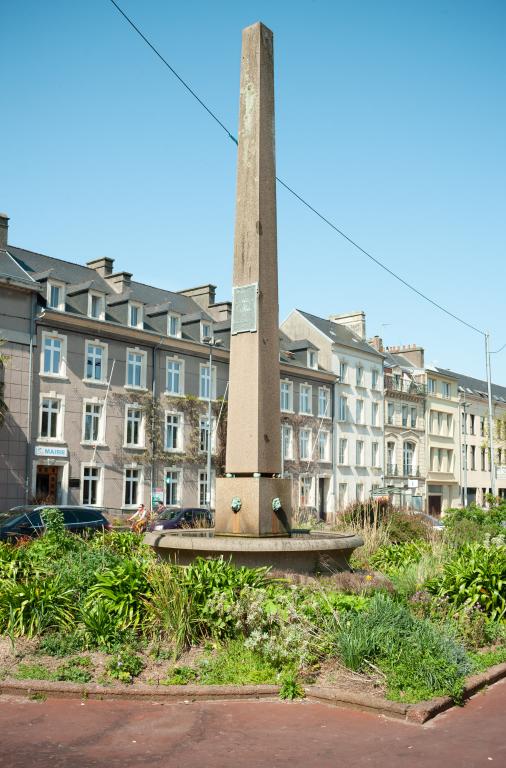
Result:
<point x="102" y="266"/>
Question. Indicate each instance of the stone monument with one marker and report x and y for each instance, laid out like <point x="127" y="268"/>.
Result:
<point x="252" y="520"/>
<point x="253" y="500"/>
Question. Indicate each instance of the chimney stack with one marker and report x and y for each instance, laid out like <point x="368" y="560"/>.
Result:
<point x="355" y="321"/>
<point x="4" y="230"/>
<point x="103" y="266"/>
<point x="377" y="343"/>
<point x="204" y="295"/>
<point x="120" y="281"/>
<point x="412" y="352"/>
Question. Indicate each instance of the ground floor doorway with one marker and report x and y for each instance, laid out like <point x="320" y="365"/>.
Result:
<point x="435" y="506"/>
<point x="48" y="484"/>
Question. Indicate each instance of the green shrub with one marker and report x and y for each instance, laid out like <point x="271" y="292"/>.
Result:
<point x="33" y="672"/>
<point x="124" y="543"/>
<point x="235" y="664"/>
<point x="122" y="591"/>
<point x="124" y="666"/>
<point x="180" y="676"/>
<point x="290" y="687"/>
<point x="33" y="605"/>
<point x="395" y="557"/>
<point x="475" y="575"/>
<point x="62" y="643"/>
<point x="100" y="626"/>
<point x="419" y="659"/>
<point x="75" y="670"/>
<point x="482" y="661"/>
<point x="173" y="611"/>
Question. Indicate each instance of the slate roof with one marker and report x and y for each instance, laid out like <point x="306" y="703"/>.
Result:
<point x="9" y="268"/>
<point x="477" y="387"/>
<point x="41" y="266"/>
<point x="340" y="334"/>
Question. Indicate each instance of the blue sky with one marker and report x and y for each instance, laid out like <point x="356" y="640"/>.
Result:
<point x="390" y="119"/>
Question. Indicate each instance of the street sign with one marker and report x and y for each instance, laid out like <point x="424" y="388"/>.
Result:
<point x="51" y="451"/>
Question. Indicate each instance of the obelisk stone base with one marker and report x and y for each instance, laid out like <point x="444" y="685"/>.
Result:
<point x="256" y="516"/>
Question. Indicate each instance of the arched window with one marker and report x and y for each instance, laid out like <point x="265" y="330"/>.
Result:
<point x="408" y="457"/>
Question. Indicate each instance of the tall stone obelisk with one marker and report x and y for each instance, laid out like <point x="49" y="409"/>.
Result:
<point x="253" y="500"/>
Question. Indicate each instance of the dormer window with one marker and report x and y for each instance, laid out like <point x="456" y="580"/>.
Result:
<point x="206" y="331"/>
<point x="135" y="315"/>
<point x="312" y="359"/>
<point x="174" y="326"/>
<point x="96" y="306"/>
<point x="56" y="295"/>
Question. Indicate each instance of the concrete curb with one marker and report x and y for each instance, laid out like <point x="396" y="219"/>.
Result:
<point x="414" y="713"/>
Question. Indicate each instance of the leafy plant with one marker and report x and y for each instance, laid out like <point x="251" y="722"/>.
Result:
<point x="476" y="575"/>
<point x="290" y="687"/>
<point x="392" y="558"/>
<point x="235" y="664"/>
<point x="172" y="607"/>
<point x="181" y="676"/>
<point x="124" y="666"/>
<point x="75" y="670"/>
<point x="122" y="591"/>
<point x="62" y="643"/>
<point x="33" y="672"/>
<point x="30" y="606"/>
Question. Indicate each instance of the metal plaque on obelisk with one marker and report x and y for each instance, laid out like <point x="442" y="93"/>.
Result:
<point x="253" y="500"/>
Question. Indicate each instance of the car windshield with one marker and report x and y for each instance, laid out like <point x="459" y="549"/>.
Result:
<point x="169" y="514"/>
<point x="13" y="513"/>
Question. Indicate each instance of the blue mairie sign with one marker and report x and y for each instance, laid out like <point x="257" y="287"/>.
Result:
<point x="52" y="451"/>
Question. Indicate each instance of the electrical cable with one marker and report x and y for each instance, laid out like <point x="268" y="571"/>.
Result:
<point x="295" y="194"/>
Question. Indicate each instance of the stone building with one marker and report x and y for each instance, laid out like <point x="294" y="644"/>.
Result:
<point x="475" y="479"/>
<point x="108" y="384"/>
<point x="339" y="345"/>
<point x="405" y="405"/>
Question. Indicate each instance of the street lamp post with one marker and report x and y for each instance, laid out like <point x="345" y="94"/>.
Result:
<point x="211" y="343"/>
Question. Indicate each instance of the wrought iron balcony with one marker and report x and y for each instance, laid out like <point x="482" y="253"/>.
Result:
<point x="406" y="386"/>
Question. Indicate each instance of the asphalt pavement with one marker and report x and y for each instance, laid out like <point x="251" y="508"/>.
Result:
<point x="258" y="734"/>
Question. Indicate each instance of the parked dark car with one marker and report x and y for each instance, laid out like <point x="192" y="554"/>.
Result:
<point x="185" y="517"/>
<point x="27" y="521"/>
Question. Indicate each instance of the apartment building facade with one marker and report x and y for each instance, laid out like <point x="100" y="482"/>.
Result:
<point x="442" y="441"/>
<point x="108" y="383"/>
<point x="358" y="396"/>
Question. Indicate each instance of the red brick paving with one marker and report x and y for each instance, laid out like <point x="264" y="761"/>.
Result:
<point x="73" y="734"/>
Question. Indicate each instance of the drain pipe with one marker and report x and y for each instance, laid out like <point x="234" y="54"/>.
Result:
<point x="28" y="459"/>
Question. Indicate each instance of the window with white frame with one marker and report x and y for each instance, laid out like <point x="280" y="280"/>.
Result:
<point x="359" y="492"/>
<point x="359" y="411"/>
<point x="206" y="331"/>
<point x="342" y="408"/>
<point x="286" y="396"/>
<point x="174" y="325"/>
<point x="56" y="295"/>
<point x="359" y="451"/>
<point x="91" y="485"/>
<point x="204" y="434"/>
<point x="51" y="418"/>
<point x="431" y="386"/>
<point x="374" y="378"/>
<point x="204" y="491"/>
<point x="304" y="444"/>
<point x="413" y="417"/>
<point x="136" y="369"/>
<point x="207" y="385"/>
<point x="53" y="354"/>
<point x="173" y="431"/>
<point x="175" y="376"/>
<point x="390" y="413"/>
<point x="96" y="306"/>
<point x="343" y="451"/>
<point x="134" y="426"/>
<point x="95" y="362"/>
<point x="173" y="487"/>
<point x="391" y="467"/>
<point x="312" y="359"/>
<point x="93" y="422"/>
<point x="374" y="414"/>
<point x="408" y="456"/>
<point x="343" y="371"/>
<point x="374" y="454"/>
<point x="133" y="486"/>
<point x="135" y="319"/>
<point x="446" y="389"/>
<point x="306" y="483"/>
<point x="404" y="415"/>
<point x="343" y="495"/>
<point x="323" y="445"/>
<point x="323" y="401"/>
<point x="287" y="441"/>
<point x="305" y="397"/>
<point x="359" y="372"/>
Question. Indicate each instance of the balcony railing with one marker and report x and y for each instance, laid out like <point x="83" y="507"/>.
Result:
<point x="404" y="385"/>
<point x="408" y="470"/>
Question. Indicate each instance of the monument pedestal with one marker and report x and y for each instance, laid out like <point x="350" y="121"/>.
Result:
<point x="256" y="516"/>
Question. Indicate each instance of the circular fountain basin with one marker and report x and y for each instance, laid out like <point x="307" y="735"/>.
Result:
<point x="298" y="553"/>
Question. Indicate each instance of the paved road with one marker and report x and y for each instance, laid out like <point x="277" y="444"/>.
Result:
<point x="73" y="734"/>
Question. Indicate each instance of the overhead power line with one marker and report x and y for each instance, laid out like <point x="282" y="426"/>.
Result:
<point x="292" y="191"/>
